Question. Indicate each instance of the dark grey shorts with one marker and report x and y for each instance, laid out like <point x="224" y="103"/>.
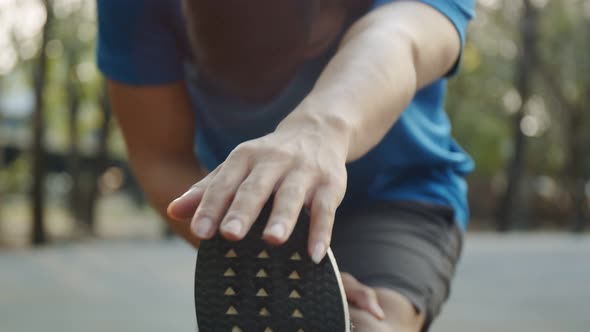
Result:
<point x="408" y="247"/>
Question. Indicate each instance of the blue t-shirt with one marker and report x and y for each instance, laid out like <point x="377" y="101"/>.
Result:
<point x="144" y="42"/>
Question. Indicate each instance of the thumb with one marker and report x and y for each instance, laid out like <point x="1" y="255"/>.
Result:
<point x="184" y="207"/>
<point x="362" y="296"/>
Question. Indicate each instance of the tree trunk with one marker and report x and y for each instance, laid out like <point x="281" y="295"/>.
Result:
<point x="579" y="142"/>
<point x="38" y="235"/>
<point x="578" y="214"/>
<point x="577" y="164"/>
<point x="2" y="156"/>
<point x="575" y="169"/>
<point x="73" y="100"/>
<point x="511" y="203"/>
<point x="101" y="159"/>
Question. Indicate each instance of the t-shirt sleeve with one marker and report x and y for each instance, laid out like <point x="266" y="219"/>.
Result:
<point x="459" y="12"/>
<point x="137" y="43"/>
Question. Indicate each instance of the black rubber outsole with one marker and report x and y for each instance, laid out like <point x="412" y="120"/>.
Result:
<point x="250" y="286"/>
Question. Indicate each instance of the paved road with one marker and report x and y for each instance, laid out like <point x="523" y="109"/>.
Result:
<point x="521" y="283"/>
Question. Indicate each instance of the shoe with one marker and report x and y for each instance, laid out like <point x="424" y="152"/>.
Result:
<point x="250" y="286"/>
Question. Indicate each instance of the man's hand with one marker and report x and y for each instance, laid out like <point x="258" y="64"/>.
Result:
<point x="303" y="162"/>
<point x="362" y="296"/>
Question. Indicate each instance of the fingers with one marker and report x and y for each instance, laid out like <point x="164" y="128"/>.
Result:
<point x="249" y="200"/>
<point x="362" y="296"/>
<point x="183" y="208"/>
<point x="232" y="196"/>
<point x="323" y="210"/>
<point x="217" y="197"/>
<point x="287" y="206"/>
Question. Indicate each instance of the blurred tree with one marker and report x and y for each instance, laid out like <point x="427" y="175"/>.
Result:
<point x="100" y="159"/>
<point x="38" y="150"/>
<point x="565" y="69"/>
<point x="73" y="106"/>
<point x="489" y="113"/>
<point x="2" y="162"/>
<point x="511" y="203"/>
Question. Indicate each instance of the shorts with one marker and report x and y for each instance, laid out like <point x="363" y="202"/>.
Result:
<point x="409" y="247"/>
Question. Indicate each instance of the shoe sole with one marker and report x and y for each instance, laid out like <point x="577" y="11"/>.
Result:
<point x="250" y="286"/>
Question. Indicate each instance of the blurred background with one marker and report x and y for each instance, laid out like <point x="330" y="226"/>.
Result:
<point x="80" y="250"/>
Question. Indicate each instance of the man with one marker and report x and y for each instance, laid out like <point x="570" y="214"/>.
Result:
<point x="333" y="106"/>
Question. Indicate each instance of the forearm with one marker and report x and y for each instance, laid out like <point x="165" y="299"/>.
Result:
<point x="158" y="123"/>
<point x="383" y="60"/>
<point x="164" y="181"/>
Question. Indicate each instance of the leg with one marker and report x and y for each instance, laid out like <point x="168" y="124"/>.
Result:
<point x="403" y="254"/>
<point x="400" y="314"/>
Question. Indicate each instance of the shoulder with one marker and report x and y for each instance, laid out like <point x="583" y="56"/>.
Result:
<point x="140" y="41"/>
<point x="136" y="11"/>
<point x="456" y="10"/>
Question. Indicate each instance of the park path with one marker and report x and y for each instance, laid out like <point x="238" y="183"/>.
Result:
<point x="524" y="283"/>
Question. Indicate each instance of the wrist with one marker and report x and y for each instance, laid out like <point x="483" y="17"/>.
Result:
<point x="322" y="122"/>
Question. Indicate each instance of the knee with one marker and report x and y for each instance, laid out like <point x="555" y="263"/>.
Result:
<point x="399" y="311"/>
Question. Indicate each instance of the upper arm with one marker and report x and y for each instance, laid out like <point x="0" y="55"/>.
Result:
<point x="437" y="29"/>
<point x="141" y="54"/>
<point x="139" y="41"/>
<point x="157" y="122"/>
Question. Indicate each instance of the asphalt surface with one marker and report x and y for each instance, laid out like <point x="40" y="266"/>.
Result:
<point x="524" y="283"/>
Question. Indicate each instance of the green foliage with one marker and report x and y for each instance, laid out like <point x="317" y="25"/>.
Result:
<point x="481" y="98"/>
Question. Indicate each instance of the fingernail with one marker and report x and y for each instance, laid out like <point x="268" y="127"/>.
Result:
<point x="319" y="251"/>
<point x="233" y="227"/>
<point x="191" y="191"/>
<point x="203" y="227"/>
<point x="277" y="231"/>
<point x="378" y="310"/>
<point x="174" y="202"/>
